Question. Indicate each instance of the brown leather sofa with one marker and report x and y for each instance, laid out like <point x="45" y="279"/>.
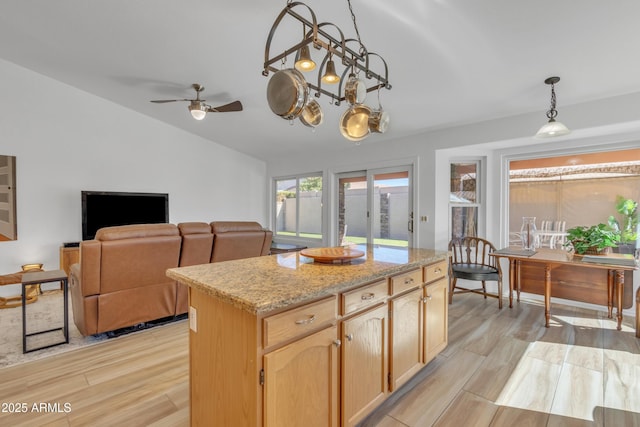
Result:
<point x="239" y="239"/>
<point x="121" y="279"/>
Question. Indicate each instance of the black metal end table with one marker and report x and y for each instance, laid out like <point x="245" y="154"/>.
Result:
<point x="45" y="277"/>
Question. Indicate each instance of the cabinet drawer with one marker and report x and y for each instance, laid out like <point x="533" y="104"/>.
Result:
<point x="365" y="296"/>
<point x="435" y="271"/>
<point x="298" y="321"/>
<point x="406" y="281"/>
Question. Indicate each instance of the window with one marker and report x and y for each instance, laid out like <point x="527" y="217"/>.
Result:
<point x="298" y="207"/>
<point x="562" y="192"/>
<point x="375" y="206"/>
<point x="464" y="200"/>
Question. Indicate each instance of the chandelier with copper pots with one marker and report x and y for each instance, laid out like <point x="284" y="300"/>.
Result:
<point x="291" y="91"/>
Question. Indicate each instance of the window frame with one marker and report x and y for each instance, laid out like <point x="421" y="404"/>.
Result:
<point x="479" y="199"/>
<point x="296" y="238"/>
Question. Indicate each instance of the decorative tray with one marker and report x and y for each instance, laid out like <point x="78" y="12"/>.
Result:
<point x="337" y="255"/>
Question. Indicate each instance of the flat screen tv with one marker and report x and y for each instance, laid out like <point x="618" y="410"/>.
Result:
<point x="107" y="208"/>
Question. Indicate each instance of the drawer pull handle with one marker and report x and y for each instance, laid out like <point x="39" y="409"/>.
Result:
<point x="408" y="280"/>
<point x="306" y="321"/>
<point x="438" y="271"/>
<point x="349" y="337"/>
<point x="368" y="296"/>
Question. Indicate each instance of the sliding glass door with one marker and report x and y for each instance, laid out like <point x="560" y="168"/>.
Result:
<point x="375" y="207"/>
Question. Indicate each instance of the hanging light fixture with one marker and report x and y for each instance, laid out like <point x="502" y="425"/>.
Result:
<point x="553" y="127"/>
<point x="330" y="76"/>
<point x="354" y="124"/>
<point x="198" y="110"/>
<point x="304" y="62"/>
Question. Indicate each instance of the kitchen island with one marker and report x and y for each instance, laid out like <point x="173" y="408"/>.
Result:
<point x="283" y="340"/>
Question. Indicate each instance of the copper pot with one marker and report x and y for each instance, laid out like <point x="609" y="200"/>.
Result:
<point x="287" y="93"/>
<point x="378" y="121"/>
<point x="311" y="114"/>
<point x="354" y="124"/>
<point x="355" y="91"/>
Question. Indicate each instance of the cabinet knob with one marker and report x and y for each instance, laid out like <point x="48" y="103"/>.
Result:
<point x="337" y="343"/>
<point x="426" y="299"/>
<point x="306" y="321"/>
<point x="367" y="296"/>
<point x="349" y="337"/>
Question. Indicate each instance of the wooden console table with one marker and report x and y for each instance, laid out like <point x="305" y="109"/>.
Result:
<point x="573" y="278"/>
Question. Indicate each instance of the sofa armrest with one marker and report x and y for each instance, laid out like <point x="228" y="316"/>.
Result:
<point x="266" y="247"/>
<point x="86" y="274"/>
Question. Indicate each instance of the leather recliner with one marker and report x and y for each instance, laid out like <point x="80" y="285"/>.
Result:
<point x="121" y="278"/>
<point x="239" y="239"/>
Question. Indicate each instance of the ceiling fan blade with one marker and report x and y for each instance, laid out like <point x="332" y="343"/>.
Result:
<point x="233" y="106"/>
<point x="162" y="101"/>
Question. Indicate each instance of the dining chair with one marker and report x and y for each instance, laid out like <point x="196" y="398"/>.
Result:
<point x="551" y="234"/>
<point x="469" y="259"/>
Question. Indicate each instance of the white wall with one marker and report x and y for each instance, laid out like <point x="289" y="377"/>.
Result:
<point x="66" y="140"/>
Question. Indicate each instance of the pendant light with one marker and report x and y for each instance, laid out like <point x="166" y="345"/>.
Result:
<point x="330" y="76"/>
<point x="304" y="62"/>
<point x="553" y="127"/>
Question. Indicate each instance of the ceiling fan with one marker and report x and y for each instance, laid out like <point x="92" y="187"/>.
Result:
<point x="199" y="109"/>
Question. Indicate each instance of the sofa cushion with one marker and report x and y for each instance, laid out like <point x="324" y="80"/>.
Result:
<point x="197" y="241"/>
<point x="136" y="231"/>
<point x="233" y="226"/>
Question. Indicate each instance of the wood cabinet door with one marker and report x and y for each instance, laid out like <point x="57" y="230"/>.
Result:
<point x="365" y="365"/>
<point x="435" y="319"/>
<point x="405" y="334"/>
<point x="301" y="382"/>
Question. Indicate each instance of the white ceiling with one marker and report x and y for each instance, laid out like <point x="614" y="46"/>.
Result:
<point x="450" y="61"/>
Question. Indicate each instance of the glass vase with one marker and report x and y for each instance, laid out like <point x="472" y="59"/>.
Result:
<point x="528" y="232"/>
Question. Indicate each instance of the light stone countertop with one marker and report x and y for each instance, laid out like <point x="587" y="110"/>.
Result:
<point x="263" y="284"/>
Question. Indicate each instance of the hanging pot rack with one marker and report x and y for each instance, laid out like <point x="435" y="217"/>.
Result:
<point x="353" y="61"/>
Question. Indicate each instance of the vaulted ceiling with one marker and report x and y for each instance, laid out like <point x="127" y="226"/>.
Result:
<point x="451" y="62"/>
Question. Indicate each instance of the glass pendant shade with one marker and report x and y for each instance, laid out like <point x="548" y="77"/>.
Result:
<point x="330" y="76"/>
<point x="198" y="110"/>
<point x="304" y="62"/>
<point x="551" y="129"/>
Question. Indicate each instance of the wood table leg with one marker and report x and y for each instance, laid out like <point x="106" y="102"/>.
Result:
<point x="518" y="263"/>
<point x="638" y="313"/>
<point x="610" y="284"/>
<point x="620" y="289"/>
<point x="512" y="279"/>
<point x="547" y="294"/>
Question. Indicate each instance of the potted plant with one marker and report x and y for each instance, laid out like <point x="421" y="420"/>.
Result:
<point x="596" y="239"/>
<point x="628" y="208"/>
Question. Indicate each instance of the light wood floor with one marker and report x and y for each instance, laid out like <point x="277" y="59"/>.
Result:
<point x="502" y="367"/>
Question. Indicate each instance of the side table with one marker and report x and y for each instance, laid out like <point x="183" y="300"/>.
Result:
<point x="45" y="277"/>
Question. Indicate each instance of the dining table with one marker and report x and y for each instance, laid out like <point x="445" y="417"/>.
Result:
<point x="568" y="275"/>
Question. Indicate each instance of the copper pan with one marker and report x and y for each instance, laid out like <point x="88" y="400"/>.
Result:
<point x="287" y="93"/>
